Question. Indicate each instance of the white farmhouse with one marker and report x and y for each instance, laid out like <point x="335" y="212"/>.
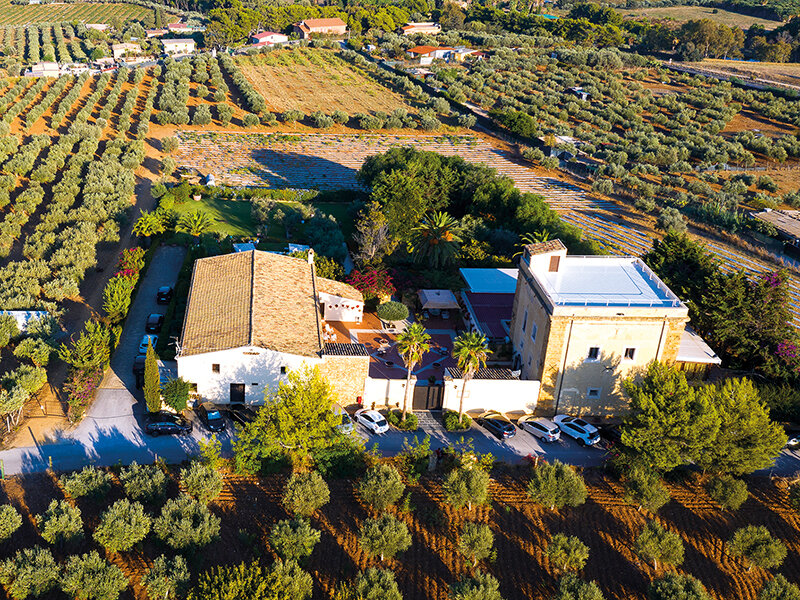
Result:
<point x="178" y="46"/>
<point x="252" y="316"/>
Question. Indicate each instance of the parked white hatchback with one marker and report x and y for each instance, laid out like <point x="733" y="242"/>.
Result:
<point x="539" y="427"/>
<point x="372" y="420"/>
<point x="582" y="432"/>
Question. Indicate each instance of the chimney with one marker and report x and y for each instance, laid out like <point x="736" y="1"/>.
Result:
<point x="311" y="256"/>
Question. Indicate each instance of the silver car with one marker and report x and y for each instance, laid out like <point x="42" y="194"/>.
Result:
<point x="539" y="427"/>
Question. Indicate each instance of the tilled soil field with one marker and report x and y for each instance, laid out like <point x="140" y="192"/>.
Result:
<point x="249" y="507"/>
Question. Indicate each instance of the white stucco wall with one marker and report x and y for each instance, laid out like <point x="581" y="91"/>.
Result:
<point x="336" y="308"/>
<point x="257" y="368"/>
<point x="385" y="392"/>
<point x="503" y="395"/>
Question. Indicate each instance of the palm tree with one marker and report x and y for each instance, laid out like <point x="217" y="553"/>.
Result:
<point x="470" y="351"/>
<point x="532" y="238"/>
<point x="436" y="240"/>
<point x="195" y="223"/>
<point x="412" y="344"/>
<point x="148" y="224"/>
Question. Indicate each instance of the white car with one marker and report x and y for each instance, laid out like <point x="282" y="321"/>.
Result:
<point x="542" y="428"/>
<point x="152" y="339"/>
<point x="584" y="433"/>
<point x="372" y="420"/>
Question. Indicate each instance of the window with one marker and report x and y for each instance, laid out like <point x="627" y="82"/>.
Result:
<point x="254" y="384"/>
<point x="283" y="370"/>
<point x="525" y="321"/>
<point x="530" y="360"/>
<point x="534" y="331"/>
<point x="630" y="353"/>
<point x="594" y="353"/>
<point x="215" y="368"/>
<point x="554" y="262"/>
<point x="593" y="393"/>
<point x="193" y="388"/>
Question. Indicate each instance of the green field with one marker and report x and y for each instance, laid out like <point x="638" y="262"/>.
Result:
<point x="85" y="12"/>
<point x="232" y="216"/>
<point x="681" y="14"/>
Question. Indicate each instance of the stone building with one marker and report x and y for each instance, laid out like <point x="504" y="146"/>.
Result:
<point x="253" y="316"/>
<point x="582" y="324"/>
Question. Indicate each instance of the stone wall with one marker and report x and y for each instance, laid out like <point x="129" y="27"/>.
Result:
<point x="347" y="375"/>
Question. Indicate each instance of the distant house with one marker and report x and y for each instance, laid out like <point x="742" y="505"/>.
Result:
<point x="252" y="316"/>
<point x="178" y="28"/>
<point x="427" y="54"/>
<point x="98" y="26"/>
<point x="44" y="69"/>
<point x="104" y="63"/>
<point x="120" y="50"/>
<point x="268" y="38"/>
<point x="179" y="46"/>
<point x="427" y="28"/>
<point x="462" y="53"/>
<point x="310" y="27"/>
<point x="580" y="93"/>
<point x="156" y="33"/>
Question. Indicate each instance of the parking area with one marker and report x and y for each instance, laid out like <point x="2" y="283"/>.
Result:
<point x="513" y="450"/>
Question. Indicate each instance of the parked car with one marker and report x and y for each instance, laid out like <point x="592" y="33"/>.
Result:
<point x="151" y="339"/>
<point x="138" y="370"/>
<point x="164" y="295"/>
<point x="793" y="443"/>
<point x="346" y="426"/>
<point x="579" y="430"/>
<point x="242" y="413"/>
<point x="211" y="416"/>
<point x="165" y="423"/>
<point x="542" y="428"/>
<point x="154" y="323"/>
<point x="611" y="434"/>
<point x="497" y="425"/>
<point x="372" y="420"/>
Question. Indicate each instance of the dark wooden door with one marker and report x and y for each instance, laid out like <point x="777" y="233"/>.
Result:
<point x="428" y="397"/>
<point x="237" y="393"/>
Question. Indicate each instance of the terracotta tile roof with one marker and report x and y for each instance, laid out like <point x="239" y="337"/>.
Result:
<point x="255" y="298"/>
<point x="337" y="288"/>
<point x="544" y="247"/>
<point x="345" y="350"/>
<point x="485" y="373"/>
<point x="311" y="24"/>
<point x="426" y="49"/>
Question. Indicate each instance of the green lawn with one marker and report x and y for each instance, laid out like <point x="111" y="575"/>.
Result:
<point x="232" y="216"/>
<point x="340" y="212"/>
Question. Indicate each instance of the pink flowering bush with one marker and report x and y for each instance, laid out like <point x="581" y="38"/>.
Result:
<point x="80" y="387"/>
<point x="373" y="283"/>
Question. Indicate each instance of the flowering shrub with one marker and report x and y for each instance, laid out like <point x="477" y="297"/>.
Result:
<point x="131" y="260"/>
<point x="117" y="294"/>
<point x="373" y="283"/>
<point x="80" y="387"/>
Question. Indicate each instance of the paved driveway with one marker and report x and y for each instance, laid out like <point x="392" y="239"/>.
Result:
<point x="111" y="430"/>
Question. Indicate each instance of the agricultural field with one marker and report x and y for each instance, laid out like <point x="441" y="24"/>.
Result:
<point x="249" y="507"/>
<point x="785" y="73"/>
<point x="681" y="14"/>
<point x="317" y="80"/>
<point x="84" y="12"/>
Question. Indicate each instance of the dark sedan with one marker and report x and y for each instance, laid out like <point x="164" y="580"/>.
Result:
<point x="241" y="413"/>
<point x="138" y="369"/>
<point x="612" y="434"/>
<point x="154" y="323"/>
<point x="164" y="423"/>
<point x="164" y="295"/>
<point x="497" y="425"/>
<point x="211" y="416"/>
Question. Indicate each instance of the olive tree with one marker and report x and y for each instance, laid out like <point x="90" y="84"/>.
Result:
<point x="61" y="523"/>
<point x="202" y="482"/>
<point x="480" y="586"/>
<point x="657" y="544"/>
<point x="476" y="542"/>
<point x="167" y="579"/>
<point x="30" y="572"/>
<point x="305" y="493"/>
<point x="779" y="588"/>
<point x="643" y="488"/>
<point x="384" y="537"/>
<point x="370" y="584"/>
<point x="556" y="485"/>
<point x="757" y="547"/>
<point x="567" y="553"/>
<point x="570" y="587"/>
<point x="123" y="525"/>
<point x="381" y="487"/>
<point x="90" y="481"/>
<point x="294" y="540"/>
<point x="465" y="487"/>
<point x="729" y="492"/>
<point x="184" y="523"/>
<point x="147" y="483"/>
<point x="90" y="577"/>
<point x="10" y="521"/>
<point x="672" y="586"/>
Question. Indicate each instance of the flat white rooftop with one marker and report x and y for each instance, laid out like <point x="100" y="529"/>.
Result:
<point x="490" y="281"/>
<point x="606" y="281"/>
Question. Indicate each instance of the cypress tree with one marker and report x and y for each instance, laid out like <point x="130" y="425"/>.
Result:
<point x="152" y="380"/>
